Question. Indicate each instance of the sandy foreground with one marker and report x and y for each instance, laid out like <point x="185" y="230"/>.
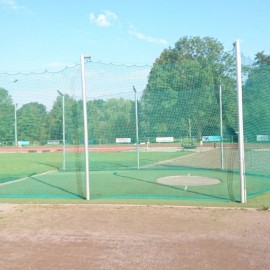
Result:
<point x="132" y="237"/>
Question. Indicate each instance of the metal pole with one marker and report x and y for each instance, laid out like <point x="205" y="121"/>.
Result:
<point x="64" y="134"/>
<point x="15" y="125"/>
<point x="221" y="128"/>
<point x="85" y="122"/>
<point x="15" y="120"/>
<point x="137" y="129"/>
<point x="240" y="123"/>
<point x="189" y="128"/>
<point x="63" y="129"/>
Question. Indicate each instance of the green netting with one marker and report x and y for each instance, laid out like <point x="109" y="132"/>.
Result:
<point x="179" y="126"/>
<point x="32" y="145"/>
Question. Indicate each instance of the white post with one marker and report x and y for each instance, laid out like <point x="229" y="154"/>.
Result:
<point x="64" y="133"/>
<point x="221" y="128"/>
<point x="15" y="125"/>
<point x="189" y="128"/>
<point x="15" y="121"/>
<point x="63" y="129"/>
<point x="87" y="183"/>
<point x="137" y="129"/>
<point x="240" y="123"/>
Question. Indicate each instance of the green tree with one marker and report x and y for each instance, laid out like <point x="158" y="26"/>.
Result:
<point x="183" y="88"/>
<point x="110" y="119"/>
<point x="97" y="121"/>
<point x="262" y="59"/>
<point x="73" y="120"/>
<point x="6" y="116"/>
<point x="256" y="98"/>
<point x="32" y="122"/>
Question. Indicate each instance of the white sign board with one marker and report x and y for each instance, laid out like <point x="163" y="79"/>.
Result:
<point x="123" y="140"/>
<point x="164" y="139"/>
<point x="53" y="142"/>
<point x="211" y="138"/>
<point x="23" y="143"/>
<point x="263" y="138"/>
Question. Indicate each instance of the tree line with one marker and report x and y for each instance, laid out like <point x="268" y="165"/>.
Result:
<point x="181" y="99"/>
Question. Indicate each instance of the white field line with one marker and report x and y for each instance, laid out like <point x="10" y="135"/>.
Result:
<point x="22" y="179"/>
<point x="164" y="162"/>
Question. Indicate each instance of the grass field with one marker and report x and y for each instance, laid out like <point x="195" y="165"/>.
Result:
<point x="19" y="165"/>
<point x="114" y="177"/>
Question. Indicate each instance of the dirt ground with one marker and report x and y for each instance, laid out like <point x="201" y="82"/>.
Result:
<point x="132" y="237"/>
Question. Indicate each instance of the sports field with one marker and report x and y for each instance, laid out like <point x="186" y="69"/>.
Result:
<point x="135" y="219"/>
<point x="114" y="175"/>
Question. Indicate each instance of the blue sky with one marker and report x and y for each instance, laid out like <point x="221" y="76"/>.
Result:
<point x="41" y="35"/>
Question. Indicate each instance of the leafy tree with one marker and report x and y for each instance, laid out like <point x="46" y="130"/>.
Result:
<point x="72" y="122"/>
<point x="183" y="88"/>
<point x="110" y="119"/>
<point x="32" y="122"/>
<point x="262" y="59"/>
<point x="256" y="98"/>
<point x="6" y="116"/>
<point x="97" y="121"/>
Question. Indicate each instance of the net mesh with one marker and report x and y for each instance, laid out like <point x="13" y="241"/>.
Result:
<point x="187" y="126"/>
<point x="40" y="156"/>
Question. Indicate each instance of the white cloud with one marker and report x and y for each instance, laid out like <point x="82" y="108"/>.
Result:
<point x="133" y="32"/>
<point x="105" y="19"/>
<point x="10" y="4"/>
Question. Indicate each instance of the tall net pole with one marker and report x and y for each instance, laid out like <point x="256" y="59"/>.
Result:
<point x="221" y="127"/>
<point x="64" y="132"/>
<point x="137" y="129"/>
<point x="63" y="129"/>
<point x="85" y="123"/>
<point x="240" y="123"/>
<point x="15" y="125"/>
